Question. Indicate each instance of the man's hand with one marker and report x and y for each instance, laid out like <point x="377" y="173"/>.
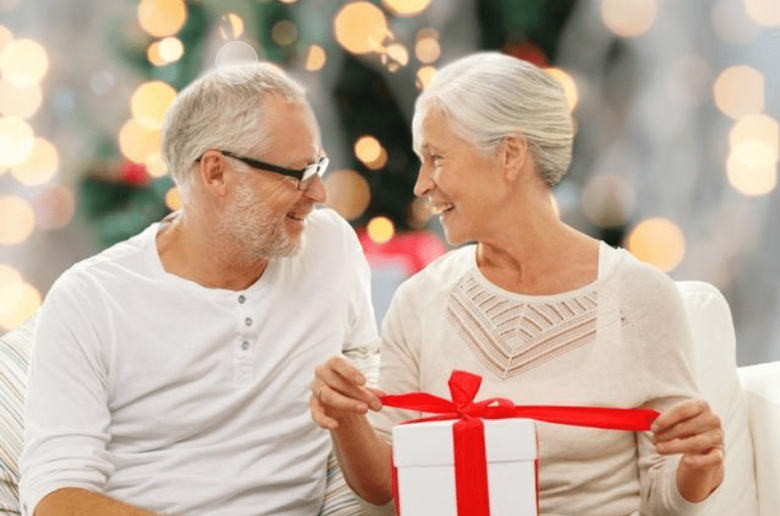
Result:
<point x="692" y="429"/>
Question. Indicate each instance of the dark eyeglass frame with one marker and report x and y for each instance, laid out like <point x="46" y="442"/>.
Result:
<point x="305" y="175"/>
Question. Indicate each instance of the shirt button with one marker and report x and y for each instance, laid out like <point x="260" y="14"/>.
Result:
<point x="245" y="345"/>
<point x="241" y="299"/>
<point x="248" y="321"/>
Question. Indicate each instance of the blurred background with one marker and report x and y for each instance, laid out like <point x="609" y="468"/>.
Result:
<point x="676" y="106"/>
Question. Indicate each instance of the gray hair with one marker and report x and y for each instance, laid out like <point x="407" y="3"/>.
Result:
<point x="489" y="96"/>
<point x="216" y="112"/>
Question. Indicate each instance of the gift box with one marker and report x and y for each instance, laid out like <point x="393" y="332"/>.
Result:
<point x="424" y="458"/>
<point x="478" y="458"/>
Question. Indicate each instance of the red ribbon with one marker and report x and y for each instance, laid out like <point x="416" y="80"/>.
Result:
<point x="471" y="485"/>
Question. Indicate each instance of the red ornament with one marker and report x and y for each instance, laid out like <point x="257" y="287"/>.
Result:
<point x="134" y="173"/>
<point x="412" y="251"/>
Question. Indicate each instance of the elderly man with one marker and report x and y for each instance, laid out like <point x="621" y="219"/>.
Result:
<point x="169" y="373"/>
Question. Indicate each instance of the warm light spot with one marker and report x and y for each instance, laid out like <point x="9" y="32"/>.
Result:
<point x="367" y="148"/>
<point x="316" y="58"/>
<point x="608" y="200"/>
<point x="284" y="33"/>
<point x="54" y="208"/>
<point x="155" y="165"/>
<point x="24" y="62"/>
<point x="380" y="230"/>
<point x="162" y="18"/>
<point x="406" y="7"/>
<point x="380" y="161"/>
<point x="40" y="166"/>
<point x="171" y="49"/>
<point x="427" y="50"/>
<point x="138" y="143"/>
<point x="16" y="140"/>
<point x="628" y="18"/>
<point x="764" y="12"/>
<point x="173" y="199"/>
<point x="19" y="102"/>
<point x="18" y="301"/>
<point x="569" y="86"/>
<point x="424" y="76"/>
<point x="756" y="128"/>
<point x="659" y="242"/>
<point x="348" y="193"/>
<point x="17" y="220"/>
<point x="150" y="102"/>
<point x="751" y="168"/>
<point x="394" y="57"/>
<point x="739" y="91"/>
<point x="288" y="1"/>
<point x="153" y="54"/>
<point x="231" y="26"/>
<point x="8" y="274"/>
<point x="361" y="27"/>
<point x="6" y="36"/>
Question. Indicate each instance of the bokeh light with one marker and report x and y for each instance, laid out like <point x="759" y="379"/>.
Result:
<point x="380" y="229"/>
<point x="137" y="143"/>
<point x="40" y="166"/>
<point x="16" y="140"/>
<point x="659" y="242"/>
<point x="173" y="199"/>
<point x="284" y="33"/>
<point x="406" y="7"/>
<point x="751" y="168"/>
<point x="235" y="53"/>
<point x="348" y="193"/>
<point x="162" y="18"/>
<point x="569" y="86"/>
<point x="231" y="26"/>
<point x="379" y="162"/>
<point x="367" y="149"/>
<point x="427" y="49"/>
<point x="628" y="18"/>
<point x="739" y="91"/>
<point x="361" y="27"/>
<point x="19" y="102"/>
<point x="171" y="49"/>
<point x="756" y="128"/>
<point x="24" y="62"/>
<point x="150" y="102"/>
<point x="6" y="36"/>
<point x="54" y="208"/>
<point x="155" y="165"/>
<point x="8" y="274"/>
<point x="17" y="220"/>
<point x="764" y="12"/>
<point x="608" y="200"/>
<point x="18" y="301"/>
<point x="395" y="57"/>
<point x="424" y="76"/>
<point x="153" y="54"/>
<point x="316" y="58"/>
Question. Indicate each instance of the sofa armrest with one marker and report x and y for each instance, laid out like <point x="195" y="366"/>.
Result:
<point x="761" y="384"/>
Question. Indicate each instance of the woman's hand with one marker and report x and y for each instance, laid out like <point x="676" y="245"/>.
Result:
<point x="692" y="429"/>
<point x="339" y="392"/>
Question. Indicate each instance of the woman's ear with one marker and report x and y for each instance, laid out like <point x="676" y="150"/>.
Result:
<point x="514" y="155"/>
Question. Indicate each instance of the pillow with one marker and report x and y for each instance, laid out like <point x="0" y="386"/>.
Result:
<point x="715" y="368"/>
<point x="14" y="358"/>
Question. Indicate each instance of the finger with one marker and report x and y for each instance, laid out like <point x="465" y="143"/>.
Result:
<point x="699" y="424"/>
<point x="342" y="366"/>
<point x="699" y="444"/>
<point x="319" y="416"/>
<point x="712" y="459"/>
<point x="330" y="398"/>
<point x="680" y="412"/>
<point x="335" y="382"/>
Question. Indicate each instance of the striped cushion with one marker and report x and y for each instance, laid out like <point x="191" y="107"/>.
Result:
<point x="14" y="357"/>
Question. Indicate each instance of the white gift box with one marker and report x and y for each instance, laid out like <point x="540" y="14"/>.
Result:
<point x="424" y="457"/>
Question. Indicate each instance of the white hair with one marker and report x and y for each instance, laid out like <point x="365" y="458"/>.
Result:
<point x="488" y="96"/>
<point x="216" y="112"/>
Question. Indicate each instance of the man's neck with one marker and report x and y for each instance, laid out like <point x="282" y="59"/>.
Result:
<point x="188" y="250"/>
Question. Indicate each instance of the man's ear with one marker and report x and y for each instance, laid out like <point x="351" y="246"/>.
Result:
<point x="212" y="173"/>
<point x="514" y="155"/>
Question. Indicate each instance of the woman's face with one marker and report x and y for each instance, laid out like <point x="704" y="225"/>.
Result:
<point x="462" y="183"/>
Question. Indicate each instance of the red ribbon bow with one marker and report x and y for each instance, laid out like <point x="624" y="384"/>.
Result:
<point x="471" y="486"/>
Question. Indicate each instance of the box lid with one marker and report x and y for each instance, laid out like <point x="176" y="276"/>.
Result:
<point x="429" y="444"/>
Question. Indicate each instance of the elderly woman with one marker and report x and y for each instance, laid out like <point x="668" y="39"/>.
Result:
<point x="545" y="314"/>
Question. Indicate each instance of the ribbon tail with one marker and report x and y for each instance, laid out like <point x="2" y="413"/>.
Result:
<point x="636" y="420"/>
<point x="471" y="480"/>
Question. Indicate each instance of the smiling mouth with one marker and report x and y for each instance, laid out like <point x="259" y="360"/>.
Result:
<point x="297" y="216"/>
<point x="438" y="209"/>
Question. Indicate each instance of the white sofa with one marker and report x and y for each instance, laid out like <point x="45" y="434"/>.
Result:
<point x="747" y="399"/>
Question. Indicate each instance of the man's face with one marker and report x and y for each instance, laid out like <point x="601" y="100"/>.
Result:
<point x="267" y="212"/>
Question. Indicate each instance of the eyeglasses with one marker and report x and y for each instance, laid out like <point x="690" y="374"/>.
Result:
<point x="305" y="176"/>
